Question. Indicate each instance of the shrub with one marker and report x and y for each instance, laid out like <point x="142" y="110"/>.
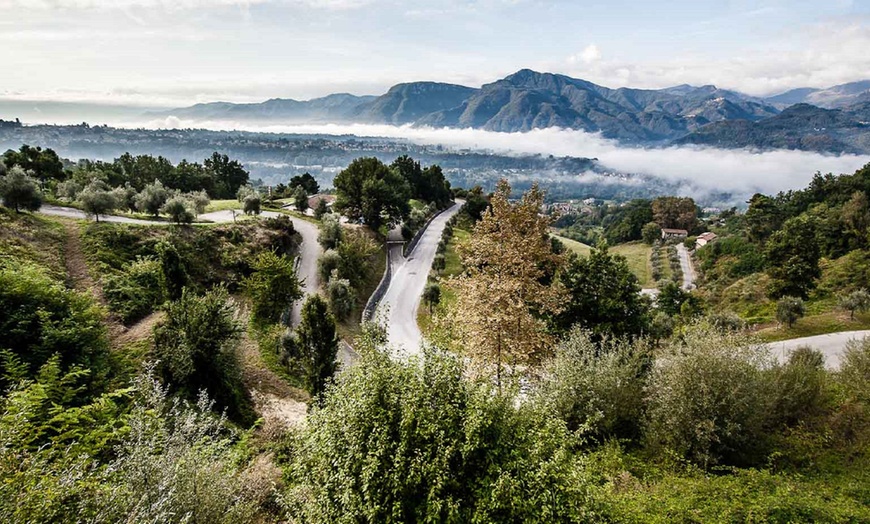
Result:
<point x="709" y="398"/>
<point x="598" y="389"/>
<point x="855" y="369"/>
<point x="178" y="209"/>
<point x="858" y="300"/>
<point x="151" y="198"/>
<point x="355" y="250"/>
<point x="41" y="318"/>
<point x="398" y="441"/>
<point x="273" y="287"/>
<point x="175" y="276"/>
<point x="341" y="296"/>
<point x="327" y="263"/>
<point x="330" y="231"/>
<point x="798" y="386"/>
<point x="136" y="290"/>
<point x="195" y="345"/>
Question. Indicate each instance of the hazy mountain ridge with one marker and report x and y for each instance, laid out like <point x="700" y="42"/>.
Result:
<point x="519" y="102"/>
<point x="835" y="97"/>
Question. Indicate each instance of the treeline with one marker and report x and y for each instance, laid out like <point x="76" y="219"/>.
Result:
<point x="219" y="176"/>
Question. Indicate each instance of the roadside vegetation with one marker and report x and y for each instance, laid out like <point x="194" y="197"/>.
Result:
<point x="169" y="381"/>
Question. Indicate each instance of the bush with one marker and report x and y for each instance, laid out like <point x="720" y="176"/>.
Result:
<point x="598" y="389"/>
<point x="398" y="441"/>
<point x="855" y="370"/>
<point x="195" y="346"/>
<point x="317" y="344"/>
<point x="330" y="231"/>
<point x="355" y="250"/>
<point x="178" y="209"/>
<point x="273" y="287"/>
<point x="709" y="398"/>
<point x="42" y="318"/>
<point x="798" y="386"/>
<point x="327" y="263"/>
<point x="341" y="296"/>
<point x="136" y="290"/>
<point x="858" y="300"/>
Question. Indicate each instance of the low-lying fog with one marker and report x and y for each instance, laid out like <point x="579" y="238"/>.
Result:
<point x="698" y="170"/>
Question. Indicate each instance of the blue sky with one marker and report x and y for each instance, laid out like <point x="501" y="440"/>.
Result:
<point x="163" y="52"/>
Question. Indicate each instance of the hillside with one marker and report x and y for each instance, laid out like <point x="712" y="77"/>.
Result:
<point x="838" y="96"/>
<point x="802" y="126"/>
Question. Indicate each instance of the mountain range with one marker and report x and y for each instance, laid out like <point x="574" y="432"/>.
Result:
<point x="828" y="120"/>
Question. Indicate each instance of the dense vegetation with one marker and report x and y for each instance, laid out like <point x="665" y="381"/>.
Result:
<point x="139" y="388"/>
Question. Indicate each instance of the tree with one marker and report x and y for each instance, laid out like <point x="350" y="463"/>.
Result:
<point x="300" y="199"/>
<point x="97" y="199"/>
<point x="432" y="295"/>
<point x="321" y="209"/>
<point x="43" y="163"/>
<point x="672" y="299"/>
<point x="504" y="290"/>
<point x="199" y="200"/>
<point x="355" y="250"/>
<point x="151" y="198"/>
<point x="331" y="232"/>
<point x="172" y="268"/>
<point x="792" y="256"/>
<point x="19" y="191"/>
<point x="426" y="184"/>
<point x="250" y="199"/>
<point x="651" y="233"/>
<point x="178" y="209"/>
<point x="858" y="300"/>
<point x="306" y="182"/>
<point x="675" y="212"/>
<point x="318" y="344"/>
<point x="228" y="175"/>
<point x="763" y="217"/>
<point x="196" y="347"/>
<point x="856" y="217"/>
<point x="626" y="223"/>
<point x="368" y="190"/>
<point x="341" y="296"/>
<point x="68" y="189"/>
<point x="789" y="310"/>
<point x="603" y="296"/>
<point x="272" y="287"/>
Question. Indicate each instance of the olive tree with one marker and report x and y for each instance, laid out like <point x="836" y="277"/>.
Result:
<point x="20" y="191"/>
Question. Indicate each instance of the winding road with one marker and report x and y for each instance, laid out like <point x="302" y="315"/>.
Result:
<point x="402" y="298"/>
<point x="687" y="267"/>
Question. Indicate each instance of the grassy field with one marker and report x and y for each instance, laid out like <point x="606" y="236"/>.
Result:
<point x="222" y="205"/>
<point x="637" y="254"/>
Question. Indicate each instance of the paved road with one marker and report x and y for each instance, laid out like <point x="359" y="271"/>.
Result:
<point x="831" y="346"/>
<point x="69" y="212"/>
<point x="400" y="302"/>
<point x="687" y="267"/>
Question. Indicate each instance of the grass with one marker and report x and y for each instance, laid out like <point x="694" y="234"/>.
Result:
<point x="222" y="205"/>
<point x="27" y="237"/>
<point x="637" y="254"/>
<point x="453" y="266"/>
<point x="833" y="321"/>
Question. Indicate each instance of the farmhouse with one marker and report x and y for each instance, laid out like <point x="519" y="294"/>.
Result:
<point x="674" y="233"/>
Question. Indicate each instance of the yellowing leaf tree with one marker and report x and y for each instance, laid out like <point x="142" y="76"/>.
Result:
<point x="507" y="286"/>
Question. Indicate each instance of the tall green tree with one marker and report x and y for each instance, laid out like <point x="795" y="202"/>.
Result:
<point x="43" y="163"/>
<point x="272" y="287"/>
<point x="306" y="182"/>
<point x="792" y="255"/>
<point x="318" y="344"/>
<point x="228" y="175"/>
<point x="369" y="190"/>
<point x="604" y="296"/>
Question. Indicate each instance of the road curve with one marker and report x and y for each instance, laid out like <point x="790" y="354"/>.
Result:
<point x="400" y="302"/>
<point x="831" y="346"/>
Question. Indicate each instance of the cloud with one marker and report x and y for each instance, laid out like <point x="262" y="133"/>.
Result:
<point x="175" y="5"/>
<point x="697" y="171"/>
<point x="819" y="55"/>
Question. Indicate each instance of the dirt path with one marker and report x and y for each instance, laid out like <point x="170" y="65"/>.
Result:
<point x="79" y="278"/>
<point x="280" y="404"/>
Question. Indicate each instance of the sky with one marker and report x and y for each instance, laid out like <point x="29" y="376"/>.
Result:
<point x="170" y="53"/>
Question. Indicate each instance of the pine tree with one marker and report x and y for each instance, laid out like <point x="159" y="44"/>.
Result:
<point x="318" y="344"/>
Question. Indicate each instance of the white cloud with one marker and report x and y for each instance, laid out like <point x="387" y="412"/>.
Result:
<point x="820" y="55"/>
<point x="697" y="171"/>
<point x="174" y="5"/>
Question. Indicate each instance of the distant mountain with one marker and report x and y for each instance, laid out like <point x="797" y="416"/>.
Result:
<point x="520" y="102"/>
<point x="839" y="96"/>
<point x="341" y="107"/>
<point x="801" y="126"/>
